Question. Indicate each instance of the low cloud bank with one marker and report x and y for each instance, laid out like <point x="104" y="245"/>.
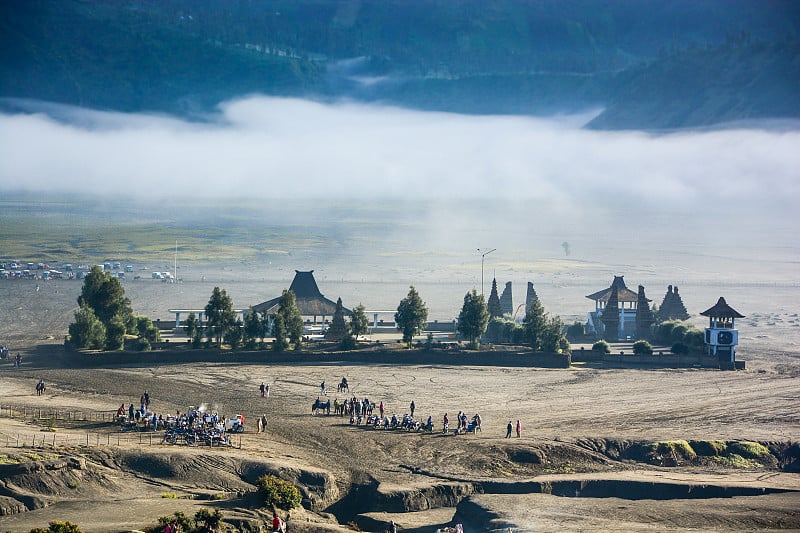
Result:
<point x="263" y="147"/>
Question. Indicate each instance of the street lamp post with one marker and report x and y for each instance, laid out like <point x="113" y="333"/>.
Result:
<point x="483" y="256"/>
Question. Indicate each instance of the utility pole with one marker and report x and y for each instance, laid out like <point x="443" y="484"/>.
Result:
<point x="483" y="256"/>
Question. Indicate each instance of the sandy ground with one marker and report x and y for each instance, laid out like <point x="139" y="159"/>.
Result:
<point x="559" y="410"/>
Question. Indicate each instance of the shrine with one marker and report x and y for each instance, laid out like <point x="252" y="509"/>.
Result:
<point x="721" y="334"/>
<point x="623" y="324"/>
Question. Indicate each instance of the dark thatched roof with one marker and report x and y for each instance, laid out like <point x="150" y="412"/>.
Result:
<point x="722" y="310"/>
<point x="624" y="294"/>
<point x="310" y="301"/>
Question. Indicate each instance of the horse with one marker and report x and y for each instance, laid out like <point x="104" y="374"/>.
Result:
<point x="319" y="405"/>
<point x="343" y="386"/>
<point x="40" y="388"/>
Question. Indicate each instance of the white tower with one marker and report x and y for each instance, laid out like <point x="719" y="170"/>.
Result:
<point x="721" y="335"/>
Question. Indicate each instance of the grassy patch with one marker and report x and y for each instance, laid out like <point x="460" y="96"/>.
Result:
<point x="169" y="495"/>
<point x="736" y="461"/>
<point x="19" y="458"/>
<point x="708" y="448"/>
<point x="680" y="448"/>
<point x="748" y="449"/>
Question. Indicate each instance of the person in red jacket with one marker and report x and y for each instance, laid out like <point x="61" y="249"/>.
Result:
<point x="278" y="525"/>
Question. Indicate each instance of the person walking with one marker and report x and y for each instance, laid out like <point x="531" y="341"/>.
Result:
<point x="509" y="429"/>
<point x="519" y="428"/>
<point x="266" y="390"/>
<point x="263" y="389"/>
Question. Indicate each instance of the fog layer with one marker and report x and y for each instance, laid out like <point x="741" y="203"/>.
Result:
<point x="287" y="148"/>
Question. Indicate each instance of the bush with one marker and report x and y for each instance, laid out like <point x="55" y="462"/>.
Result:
<point x="708" y="448"/>
<point x="143" y="345"/>
<point x="183" y="522"/>
<point x="678" y="333"/>
<point x="59" y="527"/>
<point x="748" y="449"/>
<point x="575" y="331"/>
<point x="679" y="348"/>
<point x="695" y="338"/>
<point x="680" y="448"/>
<point x="278" y="493"/>
<point x="348" y="343"/>
<point x="642" y="348"/>
<point x="210" y="521"/>
<point x="601" y="346"/>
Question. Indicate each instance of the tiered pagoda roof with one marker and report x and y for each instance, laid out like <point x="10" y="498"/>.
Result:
<point x="722" y="310"/>
<point x="624" y="294"/>
<point x="672" y="307"/>
<point x="310" y="300"/>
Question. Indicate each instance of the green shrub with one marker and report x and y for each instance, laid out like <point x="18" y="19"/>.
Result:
<point x="680" y="448"/>
<point x="278" y="493"/>
<point x="679" y="348"/>
<point x="59" y="527"/>
<point x="678" y="333"/>
<point x="708" y="448"/>
<point x="576" y="330"/>
<point x="601" y="346"/>
<point x="695" y="338"/>
<point x="642" y="348"/>
<point x="348" y="343"/>
<point x="736" y="461"/>
<point x="184" y="523"/>
<point x="748" y="449"/>
<point x="143" y="345"/>
<point x="210" y="521"/>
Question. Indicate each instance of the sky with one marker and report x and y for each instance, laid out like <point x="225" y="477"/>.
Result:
<point x="265" y="147"/>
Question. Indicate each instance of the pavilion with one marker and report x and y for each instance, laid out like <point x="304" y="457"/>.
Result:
<point x="627" y="301"/>
<point x="310" y="300"/>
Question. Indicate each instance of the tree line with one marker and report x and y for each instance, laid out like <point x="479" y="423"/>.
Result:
<point x="105" y="320"/>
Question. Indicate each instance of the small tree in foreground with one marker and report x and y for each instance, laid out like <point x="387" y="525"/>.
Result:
<point x="278" y="493"/>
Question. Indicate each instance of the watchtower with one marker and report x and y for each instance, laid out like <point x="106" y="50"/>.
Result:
<point x="721" y="334"/>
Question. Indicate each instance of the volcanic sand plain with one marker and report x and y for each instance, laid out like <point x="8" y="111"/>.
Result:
<point x="573" y="420"/>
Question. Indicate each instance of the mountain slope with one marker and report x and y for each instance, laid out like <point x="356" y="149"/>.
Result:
<point x="652" y="64"/>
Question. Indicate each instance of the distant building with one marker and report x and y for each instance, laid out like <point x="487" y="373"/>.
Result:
<point x="310" y="300"/>
<point x="625" y="300"/>
<point x="721" y="334"/>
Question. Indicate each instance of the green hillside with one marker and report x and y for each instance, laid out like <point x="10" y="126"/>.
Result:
<point x="473" y="56"/>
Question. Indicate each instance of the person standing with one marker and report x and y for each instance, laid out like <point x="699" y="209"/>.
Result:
<point x="266" y="390"/>
<point x="519" y="428"/>
<point x="509" y="429"/>
<point x="263" y="389"/>
<point x="412" y="406"/>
